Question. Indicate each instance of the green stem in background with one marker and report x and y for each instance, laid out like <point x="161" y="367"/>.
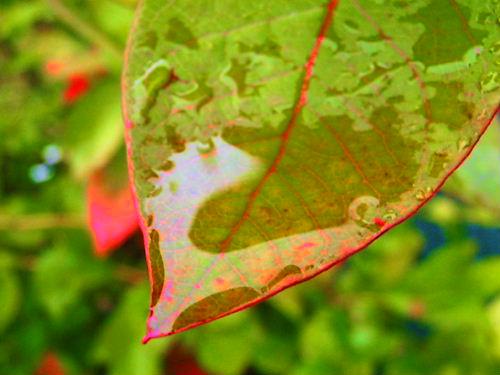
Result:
<point x="83" y="28"/>
<point x="41" y="221"/>
<point x="122" y="272"/>
<point x="129" y="274"/>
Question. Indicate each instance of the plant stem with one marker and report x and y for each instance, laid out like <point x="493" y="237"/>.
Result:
<point x="83" y="28"/>
<point x="41" y="221"/>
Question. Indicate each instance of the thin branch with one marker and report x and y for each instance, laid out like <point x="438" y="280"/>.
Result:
<point x="41" y="221"/>
<point x="130" y="275"/>
<point x="83" y="28"/>
<point x="122" y="272"/>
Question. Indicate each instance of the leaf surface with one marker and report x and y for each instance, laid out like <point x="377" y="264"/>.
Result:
<point x="269" y="141"/>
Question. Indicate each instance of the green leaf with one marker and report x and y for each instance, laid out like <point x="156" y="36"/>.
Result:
<point x="94" y="133"/>
<point x="110" y="206"/>
<point x="118" y="346"/>
<point x="63" y="276"/>
<point x="494" y="315"/>
<point x="271" y="140"/>
<point x="324" y="338"/>
<point x="9" y="291"/>
<point x="478" y="180"/>
<point x="226" y="347"/>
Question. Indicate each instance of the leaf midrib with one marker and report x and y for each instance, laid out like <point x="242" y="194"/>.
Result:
<point x="300" y="103"/>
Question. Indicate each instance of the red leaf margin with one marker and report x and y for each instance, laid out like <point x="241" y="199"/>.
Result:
<point x="384" y="227"/>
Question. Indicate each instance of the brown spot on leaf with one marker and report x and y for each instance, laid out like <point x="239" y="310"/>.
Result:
<point x="157" y="268"/>
<point x="291" y="269"/>
<point x="212" y="306"/>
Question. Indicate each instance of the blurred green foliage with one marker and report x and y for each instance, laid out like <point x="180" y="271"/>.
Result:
<point x="394" y="309"/>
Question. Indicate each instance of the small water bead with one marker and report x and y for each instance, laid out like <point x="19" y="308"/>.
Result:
<point x="489" y="83"/>
<point x="52" y="154"/>
<point x="390" y="215"/>
<point x="40" y="173"/>
<point x="420" y="195"/>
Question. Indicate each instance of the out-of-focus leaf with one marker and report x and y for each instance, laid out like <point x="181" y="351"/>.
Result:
<point x="275" y="355"/>
<point x="289" y="303"/>
<point x="9" y="291"/>
<point x="389" y="259"/>
<point x="233" y="339"/>
<point x="448" y="301"/>
<point x="63" y="276"/>
<point x="119" y="24"/>
<point x="57" y="54"/>
<point x="94" y="129"/>
<point x="118" y="346"/>
<point x="19" y="16"/>
<point x="484" y="275"/>
<point x="272" y="352"/>
<point x="478" y="180"/>
<point x="494" y="315"/>
<point x="324" y="337"/>
<point x="110" y="206"/>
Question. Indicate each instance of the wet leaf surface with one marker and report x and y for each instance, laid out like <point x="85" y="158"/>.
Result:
<point x="269" y="141"/>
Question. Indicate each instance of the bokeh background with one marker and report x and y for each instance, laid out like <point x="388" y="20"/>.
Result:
<point x="74" y="294"/>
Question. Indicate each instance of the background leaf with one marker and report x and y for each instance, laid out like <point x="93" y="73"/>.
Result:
<point x="110" y="206"/>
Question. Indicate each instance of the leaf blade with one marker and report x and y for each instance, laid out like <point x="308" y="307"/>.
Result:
<point x="211" y="112"/>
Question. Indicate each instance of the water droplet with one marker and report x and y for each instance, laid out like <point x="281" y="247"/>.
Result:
<point x="420" y="195"/>
<point x="40" y="173"/>
<point x="390" y="215"/>
<point x="490" y="82"/>
<point x="52" y="154"/>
